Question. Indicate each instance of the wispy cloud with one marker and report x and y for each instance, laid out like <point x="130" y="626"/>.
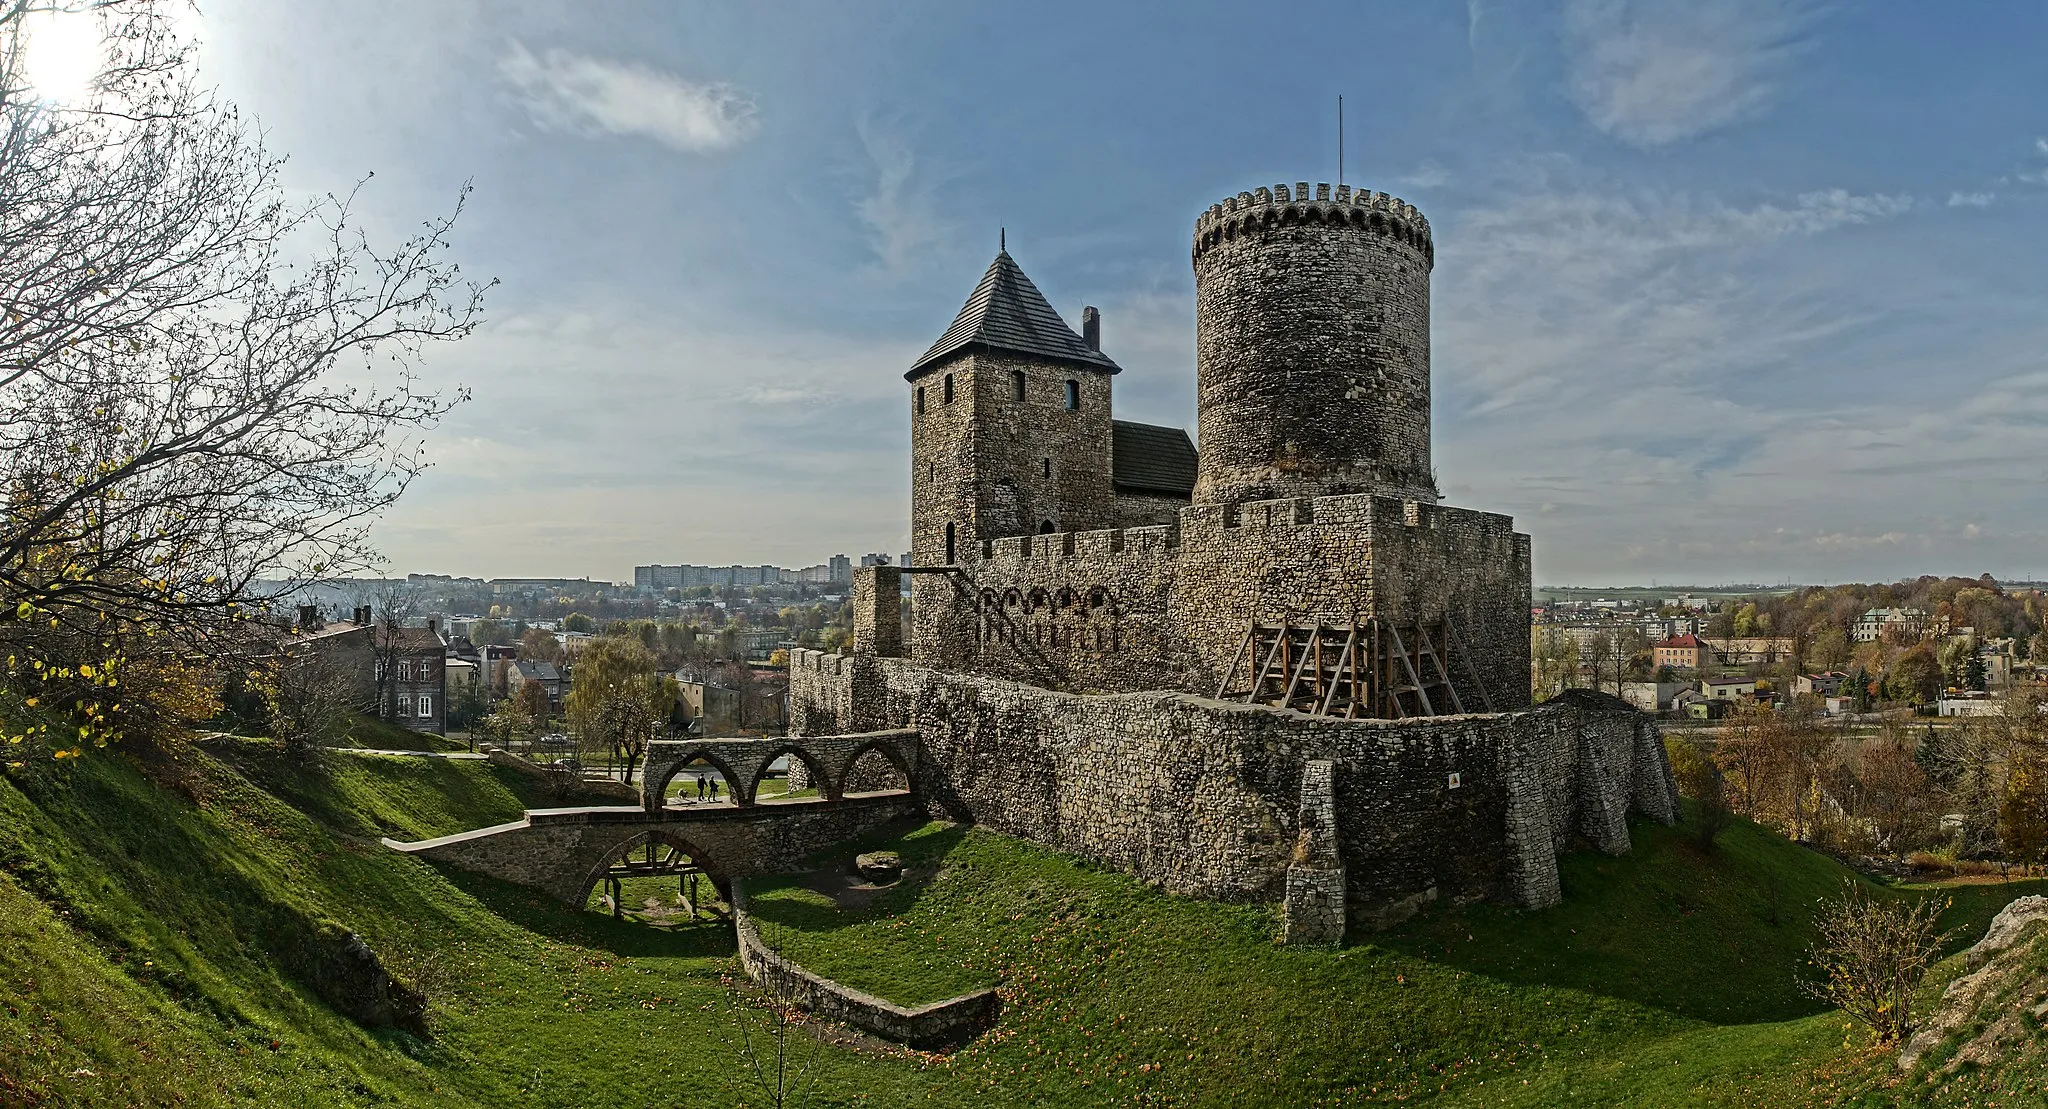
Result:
<point x="582" y="95"/>
<point x="1971" y="200"/>
<point x="898" y="204"/>
<point x="1653" y="72"/>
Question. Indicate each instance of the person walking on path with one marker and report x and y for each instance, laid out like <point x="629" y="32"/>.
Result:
<point x="714" y="791"/>
<point x="700" y="787"/>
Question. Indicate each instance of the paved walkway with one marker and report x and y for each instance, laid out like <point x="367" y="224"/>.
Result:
<point x="464" y="755"/>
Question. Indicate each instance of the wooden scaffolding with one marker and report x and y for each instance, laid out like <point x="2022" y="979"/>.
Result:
<point x="1371" y="670"/>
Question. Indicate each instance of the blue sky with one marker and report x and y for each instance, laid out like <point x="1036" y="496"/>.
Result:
<point x="1725" y="290"/>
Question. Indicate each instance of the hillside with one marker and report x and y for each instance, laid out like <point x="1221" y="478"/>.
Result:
<point x="156" y="925"/>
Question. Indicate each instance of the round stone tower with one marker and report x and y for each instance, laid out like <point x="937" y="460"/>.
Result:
<point x="1312" y="346"/>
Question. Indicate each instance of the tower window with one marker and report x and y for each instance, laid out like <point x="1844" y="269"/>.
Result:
<point x="949" y="545"/>
<point x="920" y="400"/>
<point x="949" y="390"/>
<point x="1048" y="467"/>
<point x="1045" y="527"/>
<point x="1017" y="383"/>
<point x="1073" y="396"/>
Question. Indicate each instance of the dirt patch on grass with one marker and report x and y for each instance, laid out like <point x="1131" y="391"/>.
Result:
<point x="849" y="890"/>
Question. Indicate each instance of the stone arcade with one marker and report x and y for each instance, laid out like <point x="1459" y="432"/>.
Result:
<point x="1276" y="669"/>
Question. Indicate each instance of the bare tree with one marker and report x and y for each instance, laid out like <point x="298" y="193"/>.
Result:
<point x="770" y="1045"/>
<point x="190" y="403"/>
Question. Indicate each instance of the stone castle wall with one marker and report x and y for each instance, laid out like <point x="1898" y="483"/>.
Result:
<point x="1166" y="608"/>
<point x="1204" y="798"/>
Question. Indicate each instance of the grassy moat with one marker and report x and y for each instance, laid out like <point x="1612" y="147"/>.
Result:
<point x="148" y="916"/>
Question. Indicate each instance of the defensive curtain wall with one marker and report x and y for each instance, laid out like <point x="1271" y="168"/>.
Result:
<point x="1167" y="607"/>
<point x="1234" y="801"/>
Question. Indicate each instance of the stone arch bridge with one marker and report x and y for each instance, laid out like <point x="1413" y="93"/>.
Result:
<point x="566" y="852"/>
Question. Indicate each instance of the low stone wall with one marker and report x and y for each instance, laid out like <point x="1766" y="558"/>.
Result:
<point x="940" y="1024"/>
<point x="1208" y="799"/>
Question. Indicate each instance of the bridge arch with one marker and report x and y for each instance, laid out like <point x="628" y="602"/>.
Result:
<point x="716" y="871"/>
<point x="882" y="747"/>
<point x="814" y="767"/>
<point x="656" y="791"/>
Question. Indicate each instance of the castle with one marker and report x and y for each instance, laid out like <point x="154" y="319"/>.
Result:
<point x="1274" y="668"/>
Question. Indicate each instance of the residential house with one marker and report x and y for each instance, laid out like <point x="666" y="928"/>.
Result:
<point x="714" y="709"/>
<point x="1728" y="689"/>
<point x="412" y="675"/>
<point x="522" y="671"/>
<point x="1823" y="685"/>
<point x="1680" y="652"/>
<point x="1969" y="704"/>
<point x="1652" y="696"/>
<point x="1912" y="624"/>
<point x="1767" y="650"/>
<point x="344" y="645"/>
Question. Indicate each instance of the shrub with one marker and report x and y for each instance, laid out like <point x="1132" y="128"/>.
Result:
<point x="1872" y="955"/>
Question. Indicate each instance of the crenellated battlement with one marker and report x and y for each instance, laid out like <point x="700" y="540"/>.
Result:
<point x="1103" y="543"/>
<point x="1348" y="510"/>
<point x="1373" y="212"/>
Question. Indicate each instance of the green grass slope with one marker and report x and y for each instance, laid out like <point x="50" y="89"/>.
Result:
<point x="153" y="924"/>
<point x="1668" y="977"/>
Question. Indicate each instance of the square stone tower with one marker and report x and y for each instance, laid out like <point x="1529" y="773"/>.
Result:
<point x="1010" y="435"/>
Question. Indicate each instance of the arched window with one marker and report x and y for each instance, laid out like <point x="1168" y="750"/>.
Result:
<point x="920" y="400"/>
<point x="1045" y="527"/>
<point x="1073" y="396"/>
<point x="949" y="389"/>
<point x="1017" y="383"/>
<point x="949" y="545"/>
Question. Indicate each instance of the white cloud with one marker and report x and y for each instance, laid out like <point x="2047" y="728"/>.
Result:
<point x="899" y="205"/>
<point x="1653" y="72"/>
<point x="582" y="95"/>
<point x="1971" y="200"/>
<point x="2041" y="145"/>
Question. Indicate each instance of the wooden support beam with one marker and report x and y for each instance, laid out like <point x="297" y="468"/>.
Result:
<point x="1244" y="651"/>
<point x="1300" y="666"/>
<point x="1408" y="665"/>
<point x="1422" y="637"/>
<point x="1344" y="670"/>
<point x="1259" y="681"/>
<point x="1451" y="631"/>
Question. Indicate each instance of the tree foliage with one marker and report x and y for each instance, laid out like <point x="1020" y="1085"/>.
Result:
<point x="190" y="398"/>
<point x="618" y="698"/>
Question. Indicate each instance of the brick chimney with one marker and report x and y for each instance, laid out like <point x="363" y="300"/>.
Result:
<point x="1091" y="327"/>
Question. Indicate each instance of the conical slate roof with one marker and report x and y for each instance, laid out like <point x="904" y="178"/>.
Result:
<point x="1007" y="312"/>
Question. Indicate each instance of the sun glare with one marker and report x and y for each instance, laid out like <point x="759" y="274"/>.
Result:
<point x="61" y="55"/>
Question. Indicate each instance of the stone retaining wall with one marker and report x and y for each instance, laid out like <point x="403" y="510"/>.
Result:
<point x="940" y="1024"/>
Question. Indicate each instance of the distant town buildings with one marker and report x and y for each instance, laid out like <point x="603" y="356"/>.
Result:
<point x="1910" y="624"/>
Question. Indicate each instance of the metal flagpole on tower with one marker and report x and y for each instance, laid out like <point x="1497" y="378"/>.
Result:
<point x="1340" y="138"/>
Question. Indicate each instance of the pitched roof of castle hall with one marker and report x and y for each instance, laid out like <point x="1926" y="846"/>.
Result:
<point x="1007" y="312"/>
<point x="1151" y="459"/>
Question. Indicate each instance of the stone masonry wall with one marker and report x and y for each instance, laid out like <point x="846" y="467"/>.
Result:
<point x="1349" y="559"/>
<point x="1167" y="607"/>
<point x="1086" y="611"/>
<point x="1204" y="798"/>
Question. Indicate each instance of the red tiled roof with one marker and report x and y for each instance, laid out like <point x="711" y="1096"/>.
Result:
<point x="1681" y="641"/>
